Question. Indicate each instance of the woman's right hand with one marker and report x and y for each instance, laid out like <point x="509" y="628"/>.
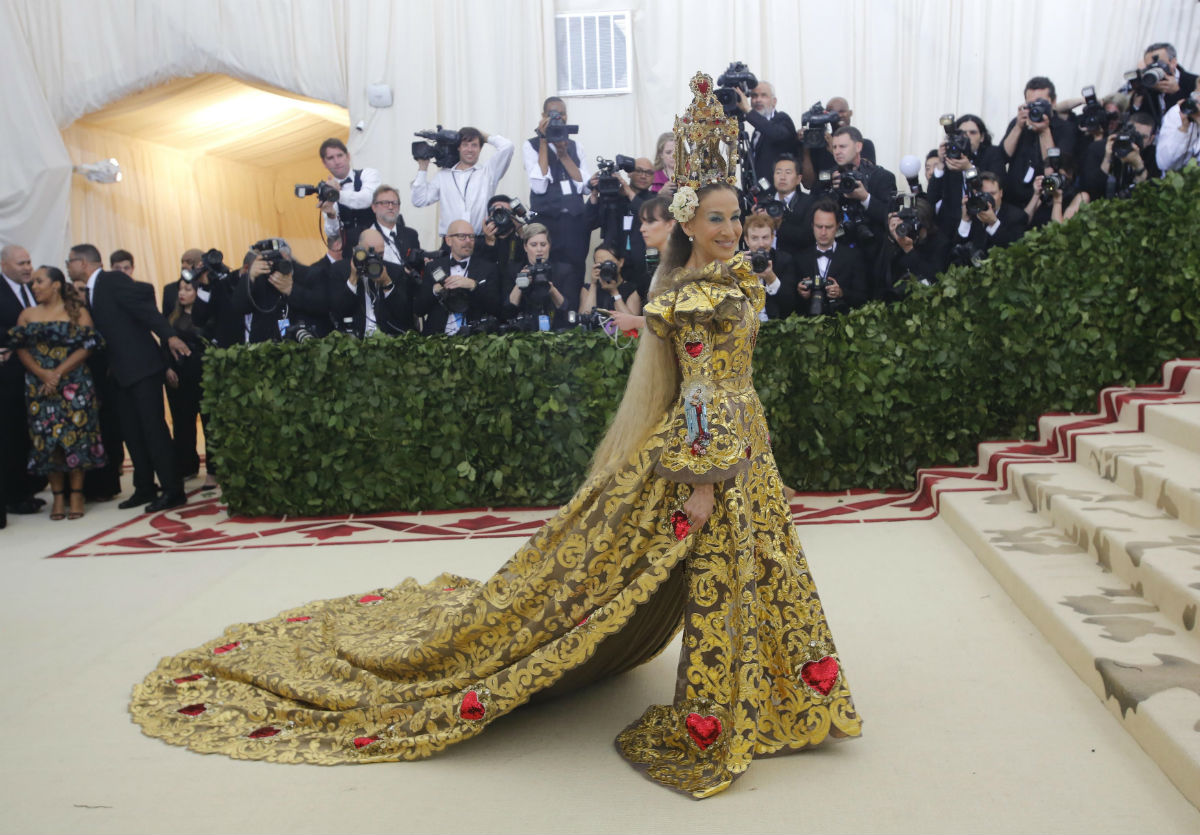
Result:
<point x="699" y="505"/>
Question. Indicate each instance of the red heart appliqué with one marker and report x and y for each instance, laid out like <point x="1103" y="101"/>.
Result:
<point x="192" y="677"/>
<point x="226" y="648"/>
<point x="680" y="523"/>
<point x="703" y="730"/>
<point x="694" y="349"/>
<point x="193" y="710"/>
<point x="364" y="741"/>
<point x="703" y="88"/>
<point x="370" y="598"/>
<point x="263" y="732"/>
<point x="821" y="675"/>
<point x="471" y="708"/>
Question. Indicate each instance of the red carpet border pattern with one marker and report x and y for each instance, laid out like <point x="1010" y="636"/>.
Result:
<point x="203" y="524"/>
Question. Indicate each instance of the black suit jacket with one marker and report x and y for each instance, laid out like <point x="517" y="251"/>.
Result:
<point x="1150" y="104"/>
<point x="776" y="136"/>
<point x="484" y="299"/>
<point x="12" y="373"/>
<point x="127" y="317"/>
<point x="846" y="265"/>
<point x="1013" y="224"/>
<point x="1028" y="154"/>
<point x="308" y="304"/>
<point x="795" y="232"/>
<point x="783" y="303"/>
<point x="393" y="312"/>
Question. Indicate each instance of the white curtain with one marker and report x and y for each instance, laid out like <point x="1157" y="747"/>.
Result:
<point x="490" y="64"/>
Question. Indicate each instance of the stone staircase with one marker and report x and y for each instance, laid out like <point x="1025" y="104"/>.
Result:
<point x="1094" y="531"/>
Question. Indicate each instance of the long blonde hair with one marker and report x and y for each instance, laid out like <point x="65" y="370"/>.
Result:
<point x="654" y="379"/>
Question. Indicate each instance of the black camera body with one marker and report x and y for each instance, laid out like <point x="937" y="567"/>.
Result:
<point x="850" y="181"/>
<point x="760" y="259"/>
<point x="958" y="144"/>
<point x="271" y="251"/>
<point x="368" y="263"/>
<point x="610" y="271"/>
<point x="212" y="263"/>
<point x="737" y="76"/>
<point x="967" y="254"/>
<point x="325" y="192"/>
<point x="1127" y="139"/>
<point x="1190" y="106"/>
<point x="818" y="302"/>
<point x="557" y="129"/>
<point x="1153" y="73"/>
<point x="457" y="300"/>
<point x="816" y="122"/>
<point x="1052" y="184"/>
<point x="1093" y="116"/>
<point x="608" y="187"/>
<point x="506" y="220"/>
<point x="978" y="200"/>
<point x="910" y="222"/>
<point x="444" y="150"/>
<point x="1039" y="110"/>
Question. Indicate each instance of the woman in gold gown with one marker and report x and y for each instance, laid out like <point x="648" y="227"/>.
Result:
<point x="681" y="523"/>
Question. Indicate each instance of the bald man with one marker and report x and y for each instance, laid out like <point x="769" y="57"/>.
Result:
<point x="16" y="485"/>
<point x="458" y="290"/>
<point x="190" y="263"/>
<point x="374" y="303"/>
<point x="842" y="108"/>
<point x="774" y="132"/>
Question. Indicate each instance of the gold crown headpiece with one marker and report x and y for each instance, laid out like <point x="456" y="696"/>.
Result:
<point x="706" y="140"/>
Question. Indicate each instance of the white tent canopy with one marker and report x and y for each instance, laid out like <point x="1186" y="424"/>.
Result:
<point x="457" y="62"/>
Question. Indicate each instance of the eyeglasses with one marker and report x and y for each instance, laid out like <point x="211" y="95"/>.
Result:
<point x="73" y="259"/>
<point x="643" y="171"/>
<point x="388" y="204"/>
<point x="461" y="235"/>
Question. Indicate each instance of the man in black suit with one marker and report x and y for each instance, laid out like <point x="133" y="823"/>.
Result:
<point x="16" y="485"/>
<point x="998" y="225"/>
<point x="1030" y="135"/>
<point x="380" y="303"/>
<point x="865" y="208"/>
<point x="774" y="267"/>
<point x="1176" y="84"/>
<point x="774" y="132"/>
<point x="794" y="233"/>
<point x="279" y="293"/>
<point x="458" y="290"/>
<point x="832" y="276"/>
<point x="127" y="318"/>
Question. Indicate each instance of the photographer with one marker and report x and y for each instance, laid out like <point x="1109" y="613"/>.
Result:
<point x="774" y="131"/>
<point x="540" y="293"/>
<point x="832" y="276"/>
<point x="1112" y="168"/>
<point x="458" y="290"/>
<point x="967" y="144"/>
<point x="350" y="212"/>
<point x="1170" y="85"/>
<point x="793" y="232"/>
<point x="914" y="249"/>
<point x="228" y="323"/>
<point x="613" y="201"/>
<point x="774" y="267"/>
<point x="1055" y="195"/>
<point x="1179" y="136"/>
<point x="558" y="172"/>
<point x="866" y="192"/>
<point x="607" y="290"/>
<point x="191" y="268"/>
<point x="400" y="241"/>
<point x="370" y="291"/>
<point x="500" y="242"/>
<point x="278" y="293"/>
<point x="185" y="381"/>
<point x="1035" y="130"/>
<point x="985" y="220"/>
<point x="464" y="189"/>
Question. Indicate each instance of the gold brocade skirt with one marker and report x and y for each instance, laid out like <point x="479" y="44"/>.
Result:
<point x="400" y="673"/>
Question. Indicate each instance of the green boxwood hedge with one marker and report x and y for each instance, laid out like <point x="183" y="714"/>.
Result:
<point x="404" y="423"/>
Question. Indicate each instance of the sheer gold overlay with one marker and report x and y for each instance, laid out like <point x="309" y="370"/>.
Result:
<point x="401" y="673"/>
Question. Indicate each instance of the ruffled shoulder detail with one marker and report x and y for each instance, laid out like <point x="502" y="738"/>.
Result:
<point x="19" y="337"/>
<point x="711" y="297"/>
<point x="65" y="334"/>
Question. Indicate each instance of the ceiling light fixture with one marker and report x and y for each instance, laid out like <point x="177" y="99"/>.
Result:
<point x="105" y="171"/>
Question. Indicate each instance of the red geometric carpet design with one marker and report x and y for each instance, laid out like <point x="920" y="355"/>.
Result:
<point x="203" y="524"/>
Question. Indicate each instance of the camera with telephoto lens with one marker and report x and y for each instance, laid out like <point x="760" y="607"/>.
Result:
<point x="298" y="332"/>
<point x="484" y="324"/>
<point x="594" y="320"/>
<point x="557" y="129"/>
<point x="1154" y="72"/>
<point x="443" y="151"/>
<point x="212" y="263"/>
<point x="910" y="222"/>
<point x="761" y="197"/>
<point x="1052" y="183"/>
<point x="271" y="251"/>
<point x="522" y="323"/>
<point x="958" y="144"/>
<point x="456" y="300"/>
<point x="818" y="302"/>
<point x="413" y="260"/>
<point x="534" y="282"/>
<point x="816" y="122"/>
<point x="506" y="220"/>
<point x="978" y="200"/>
<point x="1039" y="110"/>
<point x="368" y="263"/>
<point x="325" y="192"/>
<point x="737" y="76"/>
<point x="760" y="259"/>
<point x="1093" y="116"/>
<point x="608" y="186"/>
<point x="1126" y="139"/>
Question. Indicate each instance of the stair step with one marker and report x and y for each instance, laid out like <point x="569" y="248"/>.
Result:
<point x="1136" y="660"/>
<point x="1148" y="549"/>
<point x="1177" y="423"/>
<point x="1162" y="473"/>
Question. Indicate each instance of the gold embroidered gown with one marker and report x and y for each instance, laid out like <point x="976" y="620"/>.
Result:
<point x="400" y="673"/>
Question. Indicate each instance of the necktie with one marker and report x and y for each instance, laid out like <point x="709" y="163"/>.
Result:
<point x="821" y="252"/>
<point x="347" y="180"/>
<point x="25" y="299"/>
<point x="454" y="264"/>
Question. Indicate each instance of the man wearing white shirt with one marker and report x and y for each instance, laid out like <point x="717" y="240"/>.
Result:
<point x="558" y="175"/>
<point x="351" y="213"/>
<point x="465" y="189"/>
<point x="1179" y="136"/>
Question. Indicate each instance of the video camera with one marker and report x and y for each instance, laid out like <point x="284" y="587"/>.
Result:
<point x="958" y="144"/>
<point x="506" y="220"/>
<point x="325" y="192"/>
<point x="443" y="151"/>
<point x="608" y="187"/>
<point x="816" y="123"/>
<point x="271" y="251"/>
<point x="737" y="76"/>
<point x="557" y="129"/>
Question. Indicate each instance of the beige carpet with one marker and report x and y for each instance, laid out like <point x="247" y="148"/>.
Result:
<point x="973" y="722"/>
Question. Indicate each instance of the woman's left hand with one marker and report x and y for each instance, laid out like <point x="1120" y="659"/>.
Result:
<point x="699" y="505"/>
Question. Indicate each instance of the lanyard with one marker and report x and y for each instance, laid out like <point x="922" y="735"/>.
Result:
<point x="462" y="192"/>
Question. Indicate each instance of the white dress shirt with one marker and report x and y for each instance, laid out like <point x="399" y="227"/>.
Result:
<point x="21" y="291"/>
<point x="538" y="183"/>
<point x="369" y="179"/>
<point x="454" y="321"/>
<point x="464" y="192"/>
<point x="1174" y="147"/>
<point x="91" y="286"/>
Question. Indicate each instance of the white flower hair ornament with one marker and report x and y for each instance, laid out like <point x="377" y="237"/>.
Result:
<point x="684" y="204"/>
